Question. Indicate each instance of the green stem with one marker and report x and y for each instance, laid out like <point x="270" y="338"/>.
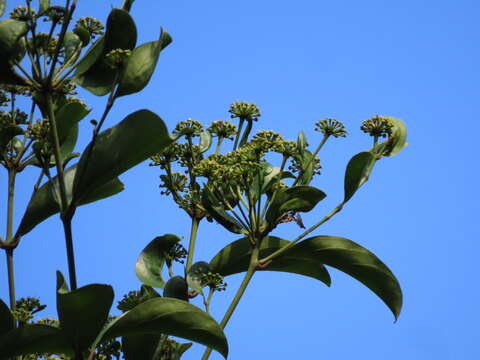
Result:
<point x="219" y="143"/>
<point x="193" y="238"/>
<point x="9" y="237"/>
<point x="304" y="168"/>
<point x="209" y="300"/>
<point x="65" y="215"/>
<point x="240" y="125"/>
<point x="241" y="290"/>
<point x="302" y="235"/>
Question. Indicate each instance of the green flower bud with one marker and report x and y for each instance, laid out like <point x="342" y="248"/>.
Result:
<point x="214" y="281"/>
<point x="331" y="127"/>
<point x="91" y="24"/>
<point x="188" y="128"/>
<point x="21" y="13"/>
<point x="244" y="111"/>
<point x="378" y="126"/>
<point x="117" y="58"/>
<point x="177" y="182"/>
<point x="223" y="129"/>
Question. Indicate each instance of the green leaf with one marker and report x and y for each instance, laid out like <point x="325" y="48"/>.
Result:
<point x="136" y="138"/>
<point x="302" y="141"/>
<point x="235" y="258"/>
<point x="44" y="5"/>
<point x="30" y="339"/>
<point x="71" y="43"/>
<point x="298" y="198"/>
<point x="83" y="312"/>
<point x="121" y="33"/>
<point x="358" y="170"/>
<point x="6" y="319"/>
<point x="10" y="33"/>
<point x="84" y="36"/>
<point x="399" y="136"/>
<point x="152" y="258"/>
<point x="141" y="64"/>
<point x="42" y="205"/>
<point x="212" y="204"/>
<point x="3" y="3"/>
<point x="355" y="260"/>
<point x="7" y="133"/>
<point x="205" y="141"/>
<point x="177" y="288"/>
<point x="195" y="273"/>
<point x="140" y="347"/>
<point x="305" y="161"/>
<point x="9" y="76"/>
<point x="171" y="317"/>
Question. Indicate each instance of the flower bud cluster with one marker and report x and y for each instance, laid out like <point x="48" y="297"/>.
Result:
<point x="15" y="117"/>
<point x="301" y="164"/>
<point x="55" y="14"/>
<point x="16" y="89"/>
<point x="244" y="111"/>
<point x="26" y="307"/>
<point x="222" y="129"/>
<point x="331" y="127"/>
<point x="4" y="99"/>
<point x="214" y="281"/>
<point x="117" y="58"/>
<point x="21" y="13"/>
<point x="174" y="182"/>
<point x="176" y="253"/>
<point x="132" y="299"/>
<point x="189" y="155"/>
<point x="167" y="156"/>
<point x="378" y="126"/>
<point x="91" y="24"/>
<point x="188" y="128"/>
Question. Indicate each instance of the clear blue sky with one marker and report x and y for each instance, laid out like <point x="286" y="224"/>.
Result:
<point x="417" y="60"/>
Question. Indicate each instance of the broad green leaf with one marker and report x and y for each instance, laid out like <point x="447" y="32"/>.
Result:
<point x="355" y="260"/>
<point x="302" y="141"/>
<point x="177" y="288"/>
<point x="195" y="273"/>
<point x="141" y="64"/>
<point x="3" y="3"/>
<point x="9" y="76"/>
<point x="170" y="317"/>
<point x="91" y="56"/>
<point x="42" y="205"/>
<point x="121" y="33"/>
<point x="7" y="133"/>
<point x="136" y="138"/>
<point x="152" y="259"/>
<point x="10" y="33"/>
<point x="298" y="198"/>
<point x="212" y="204"/>
<point x="6" y="319"/>
<point x="71" y="43"/>
<point x="140" y="347"/>
<point x="44" y="5"/>
<point x="83" y="312"/>
<point x="30" y="339"/>
<point x="235" y="258"/>
<point x="358" y="170"/>
<point x="205" y="141"/>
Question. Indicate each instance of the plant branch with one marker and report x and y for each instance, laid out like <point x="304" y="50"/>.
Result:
<point x="193" y="238"/>
<point x="304" y="168"/>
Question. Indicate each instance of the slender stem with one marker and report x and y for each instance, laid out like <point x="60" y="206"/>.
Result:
<point x="193" y="238"/>
<point x="304" y="168"/>
<point x="302" y="235"/>
<point x="241" y="290"/>
<point x="67" y="228"/>
<point x="240" y="125"/>
<point x="11" y="277"/>
<point x="9" y="237"/>
<point x="219" y="143"/>
<point x="209" y="299"/>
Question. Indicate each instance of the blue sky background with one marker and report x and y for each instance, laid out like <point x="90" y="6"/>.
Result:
<point x="300" y="62"/>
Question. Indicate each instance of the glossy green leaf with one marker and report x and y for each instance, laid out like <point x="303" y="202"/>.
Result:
<point x="304" y="159"/>
<point x="302" y="141"/>
<point x="170" y="317"/>
<point x="30" y="339"/>
<point x="298" y="198"/>
<point x="205" y="141"/>
<point x="6" y="318"/>
<point x="10" y="33"/>
<point x="140" y="347"/>
<point x="3" y="4"/>
<point x="195" y="273"/>
<point x="121" y="33"/>
<point x="355" y="260"/>
<point x="141" y="65"/>
<point x="71" y="43"/>
<point x="152" y="259"/>
<point x="212" y="204"/>
<point x="136" y="138"/>
<point x="235" y="258"/>
<point x="358" y="170"/>
<point x="42" y="205"/>
<point x="44" y="5"/>
<point x="92" y="55"/>
<point x="177" y="288"/>
<point x="84" y="36"/>
<point x="83" y="312"/>
<point x="7" y="133"/>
